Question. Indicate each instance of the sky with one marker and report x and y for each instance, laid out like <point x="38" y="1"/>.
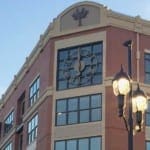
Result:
<point x="22" y="22"/>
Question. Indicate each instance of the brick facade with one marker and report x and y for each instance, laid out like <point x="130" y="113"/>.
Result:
<point x="112" y="29"/>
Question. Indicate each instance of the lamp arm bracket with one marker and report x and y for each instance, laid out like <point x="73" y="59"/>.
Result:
<point x="125" y="122"/>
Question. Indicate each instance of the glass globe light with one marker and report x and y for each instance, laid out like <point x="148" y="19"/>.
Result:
<point x="121" y="83"/>
<point x="139" y="100"/>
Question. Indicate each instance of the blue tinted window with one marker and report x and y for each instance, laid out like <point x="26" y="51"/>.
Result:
<point x="8" y="147"/>
<point x="79" y="66"/>
<point x="148" y="145"/>
<point x="73" y="104"/>
<point x="61" y="106"/>
<point x="147" y="67"/>
<point x="96" y="114"/>
<point x="96" y="143"/>
<point x="32" y="129"/>
<point x="72" y="145"/>
<point x="72" y="117"/>
<point x="84" y="102"/>
<point x="89" y="143"/>
<point x="34" y="91"/>
<point x="60" y="145"/>
<point x="83" y="144"/>
<point x="84" y="116"/>
<point x="96" y="101"/>
<point x="62" y="84"/>
<point x="79" y="110"/>
<point x="61" y="118"/>
<point x="8" y="123"/>
<point x="63" y="55"/>
<point x="148" y="114"/>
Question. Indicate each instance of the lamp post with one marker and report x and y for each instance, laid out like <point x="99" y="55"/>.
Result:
<point x="122" y="87"/>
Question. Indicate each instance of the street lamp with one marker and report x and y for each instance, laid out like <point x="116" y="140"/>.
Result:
<point x="122" y="87"/>
<point x="139" y="101"/>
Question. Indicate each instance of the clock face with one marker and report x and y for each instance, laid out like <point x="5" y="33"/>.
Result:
<point x="80" y="66"/>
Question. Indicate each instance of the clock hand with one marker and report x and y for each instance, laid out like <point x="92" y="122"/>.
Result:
<point x="78" y="64"/>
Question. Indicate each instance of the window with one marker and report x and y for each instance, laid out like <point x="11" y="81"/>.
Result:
<point x="79" y="110"/>
<point x="147" y="67"/>
<point x="90" y="143"/>
<point x="32" y="129"/>
<point x="20" y="108"/>
<point x="79" y="66"/>
<point x="8" y="123"/>
<point x="8" y="147"/>
<point x="148" y="114"/>
<point x="20" y="145"/>
<point x="147" y="145"/>
<point x="34" y="91"/>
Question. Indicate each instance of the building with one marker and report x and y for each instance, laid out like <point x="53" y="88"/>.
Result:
<point x="62" y="98"/>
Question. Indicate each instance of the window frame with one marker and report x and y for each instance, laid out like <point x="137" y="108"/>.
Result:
<point x="147" y="142"/>
<point x="21" y="107"/>
<point x="34" y="90"/>
<point x="8" y="146"/>
<point x="32" y="128"/>
<point x="9" y="118"/>
<point x="147" y="113"/>
<point x="79" y="109"/>
<point x="77" y="142"/>
<point x="146" y="59"/>
<point x="97" y="73"/>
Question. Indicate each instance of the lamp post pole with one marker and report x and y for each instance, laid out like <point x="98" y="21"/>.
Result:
<point x="128" y="44"/>
<point x="122" y="86"/>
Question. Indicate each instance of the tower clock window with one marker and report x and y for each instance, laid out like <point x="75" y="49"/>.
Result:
<point x="79" y="66"/>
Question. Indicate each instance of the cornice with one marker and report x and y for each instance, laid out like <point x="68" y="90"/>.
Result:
<point x="107" y="17"/>
<point x="136" y="24"/>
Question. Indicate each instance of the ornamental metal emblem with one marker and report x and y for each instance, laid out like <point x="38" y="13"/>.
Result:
<point x="79" y="71"/>
<point x="80" y="14"/>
